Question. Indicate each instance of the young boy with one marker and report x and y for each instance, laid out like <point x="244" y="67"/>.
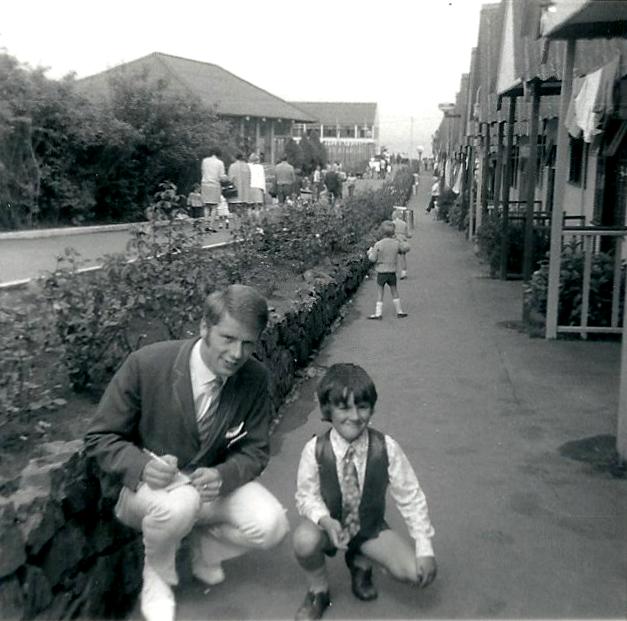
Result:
<point x="343" y="477"/>
<point x="402" y="234"/>
<point x="384" y="254"/>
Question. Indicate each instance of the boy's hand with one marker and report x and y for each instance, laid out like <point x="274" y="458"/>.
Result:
<point x="158" y="473"/>
<point x="427" y="570"/>
<point x="334" y="529"/>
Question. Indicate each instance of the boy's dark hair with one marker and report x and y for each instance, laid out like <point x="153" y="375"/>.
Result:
<point x="339" y="382"/>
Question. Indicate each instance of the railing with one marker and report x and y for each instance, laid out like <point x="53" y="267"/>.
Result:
<point x="593" y="240"/>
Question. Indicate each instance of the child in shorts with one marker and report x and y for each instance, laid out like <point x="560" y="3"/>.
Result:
<point x="385" y="255"/>
<point x="342" y="480"/>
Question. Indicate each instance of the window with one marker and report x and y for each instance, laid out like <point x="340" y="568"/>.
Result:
<point x="364" y="132"/>
<point x="329" y="131"/>
<point x="347" y="131"/>
<point x="576" y="161"/>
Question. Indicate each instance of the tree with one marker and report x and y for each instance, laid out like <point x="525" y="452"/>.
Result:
<point x="294" y="154"/>
<point x="320" y="152"/>
<point x="309" y="155"/>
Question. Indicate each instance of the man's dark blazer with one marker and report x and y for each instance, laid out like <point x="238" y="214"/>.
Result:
<point x="149" y="404"/>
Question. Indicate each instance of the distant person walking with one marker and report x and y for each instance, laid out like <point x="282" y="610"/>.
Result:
<point x="194" y="202"/>
<point x="257" y="183"/>
<point x="333" y="184"/>
<point x="402" y="234"/>
<point x="239" y="174"/>
<point x="285" y="179"/>
<point x="435" y="193"/>
<point x="384" y="254"/>
<point x="212" y="169"/>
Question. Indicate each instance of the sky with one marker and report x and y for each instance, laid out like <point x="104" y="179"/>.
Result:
<point x="406" y="55"/>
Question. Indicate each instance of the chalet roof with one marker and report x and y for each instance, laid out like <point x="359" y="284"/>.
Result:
<point x="340" y="112"/>
<point x="488" y="44"/>
<point x="579" y="19"/>
<point x="541" y="60"/>
<point x="231" y="95"/>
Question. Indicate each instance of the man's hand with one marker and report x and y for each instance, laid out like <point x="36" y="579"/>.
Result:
<point x="208" y="482"/>
<point x="158" y="473"/>
<point x="334" y="530"/>
<point x="427" y="570"/>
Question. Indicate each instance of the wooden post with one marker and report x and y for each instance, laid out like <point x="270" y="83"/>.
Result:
<point x="470" y="171"/>
<point x="498" y="170"/>
<point x="484" y="177"/>
<point x="507" y="182"/>
<point x="555" y="259"/>
<point x="532" y="163"/>
<point x="272" y="145"/>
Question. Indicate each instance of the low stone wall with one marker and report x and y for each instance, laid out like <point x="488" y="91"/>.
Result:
<point x="62" y="554"/>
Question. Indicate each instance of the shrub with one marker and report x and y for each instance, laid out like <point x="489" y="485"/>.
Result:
<point x="489" y="236"/>
<point x="571" y="288"/>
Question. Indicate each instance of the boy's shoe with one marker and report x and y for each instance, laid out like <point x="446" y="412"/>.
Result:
<point x="361" y="583"/>
<point x="375" y="316"/>
<point x="314" y="605"/>
<point x="403" y="275"/>
<point x="401" y="315"/>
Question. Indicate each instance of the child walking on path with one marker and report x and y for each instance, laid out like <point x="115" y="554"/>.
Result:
<point x="343" y="477"/>
<point x="402" y="234"/>
<point x="384" y="254"/>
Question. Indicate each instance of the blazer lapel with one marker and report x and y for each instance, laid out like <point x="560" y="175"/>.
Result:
<point x="183" y="395"/>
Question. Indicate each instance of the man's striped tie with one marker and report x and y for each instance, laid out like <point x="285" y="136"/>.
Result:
<point x="208" y="402"/>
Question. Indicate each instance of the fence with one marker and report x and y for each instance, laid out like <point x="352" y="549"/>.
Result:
<point x="593" y="241"/>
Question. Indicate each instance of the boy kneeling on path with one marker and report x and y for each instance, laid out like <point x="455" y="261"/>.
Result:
<point x="343" y="477"/>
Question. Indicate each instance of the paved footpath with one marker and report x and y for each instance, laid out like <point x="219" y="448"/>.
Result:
<point x="482" y="411"/>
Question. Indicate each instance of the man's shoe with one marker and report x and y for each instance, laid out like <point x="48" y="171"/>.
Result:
<point x="211" y="575"/>
<point x="401" y="314"/>
<point x="361" y="584"/>
<point x="375" y="317"/>
<point x="314" y="606"/>
<point x="157" y="598"/>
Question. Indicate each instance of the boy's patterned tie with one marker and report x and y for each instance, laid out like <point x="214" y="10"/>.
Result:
<point x="211" y="396"/>
<point x="351" y="495"/>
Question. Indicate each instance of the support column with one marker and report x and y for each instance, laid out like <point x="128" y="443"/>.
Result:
<point x="555" y="258"/>
<point x="532" y="163"/>
<point x="498" y="169"/>
<point x="257" y="134"/>
<point x="507" y="182"/>
<point x="470" y="171"/>
<point x="482" y="212"/>
<point x="272" y="145"/>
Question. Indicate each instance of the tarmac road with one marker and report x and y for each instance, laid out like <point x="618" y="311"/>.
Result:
<point x="483" y="412"/>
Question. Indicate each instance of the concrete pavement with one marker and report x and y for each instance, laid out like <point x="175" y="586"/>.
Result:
<point x="483" y="412"/>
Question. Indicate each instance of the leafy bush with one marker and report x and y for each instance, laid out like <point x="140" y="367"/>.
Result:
<point x="98" y="318"/>
<point x="489" y="236"/>
<point x="571" y="288"/>
<point x="23" y="342"/>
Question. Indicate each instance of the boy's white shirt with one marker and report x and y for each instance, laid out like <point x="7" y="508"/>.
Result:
<point x="403" y="485"/>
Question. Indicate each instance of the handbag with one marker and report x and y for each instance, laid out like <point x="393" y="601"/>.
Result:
<point x="228" y="188"/>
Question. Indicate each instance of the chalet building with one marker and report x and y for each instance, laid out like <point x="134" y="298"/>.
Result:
<point x="541" y="136"/>
<point x="262" y="119"/>
<point x="348" y="130"/>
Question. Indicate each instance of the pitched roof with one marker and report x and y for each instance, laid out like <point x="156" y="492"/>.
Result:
<point x="340" y="112"/>
<point x="212" y="84"/>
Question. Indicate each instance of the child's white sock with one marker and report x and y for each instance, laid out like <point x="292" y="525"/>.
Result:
<point x="378" y="309"/>
<point x="397" y="305"/>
